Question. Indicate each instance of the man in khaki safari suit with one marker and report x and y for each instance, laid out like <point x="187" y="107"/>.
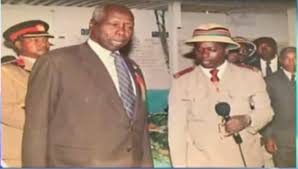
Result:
<point x="198" y="137"/>
<point x="29" y="39"/>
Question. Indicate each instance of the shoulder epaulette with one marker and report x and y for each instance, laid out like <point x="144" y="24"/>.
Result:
<point x="183" y="72"/>
<point x="8" y="59"/>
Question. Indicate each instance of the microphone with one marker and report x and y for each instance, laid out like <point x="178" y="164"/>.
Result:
<point x="223" y="109"/>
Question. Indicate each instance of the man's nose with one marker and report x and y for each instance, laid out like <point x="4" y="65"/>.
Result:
<point x="121" y="30"/>
<point x="43" y="44"/>
<point x="205" y="53"/>
<point x="293" y="61"/>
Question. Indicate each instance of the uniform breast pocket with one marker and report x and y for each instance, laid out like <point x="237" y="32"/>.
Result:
<point x="197" y="110"/>
<point x="240" y="104"/>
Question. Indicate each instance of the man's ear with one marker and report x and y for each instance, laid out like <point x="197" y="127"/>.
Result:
<point x="18" y="45"/>
<point x="91" y="23"/>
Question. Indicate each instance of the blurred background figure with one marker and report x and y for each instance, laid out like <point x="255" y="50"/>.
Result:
<point x="29" y="40"/>
<point x="242" y="55"/>
<point x="265" y="58"/>
<point x="279" y="135"/>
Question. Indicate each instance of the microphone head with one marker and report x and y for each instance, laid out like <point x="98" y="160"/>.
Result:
<point x="222" y="109"/>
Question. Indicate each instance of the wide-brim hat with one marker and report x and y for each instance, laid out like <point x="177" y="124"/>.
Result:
<point x="213" y="33"/>
<point x="27" y="29"/>
<point x="251" y="47"/>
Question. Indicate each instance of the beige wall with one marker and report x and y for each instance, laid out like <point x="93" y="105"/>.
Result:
<point x="66" y="24"/>
<point x="292" y="26"/>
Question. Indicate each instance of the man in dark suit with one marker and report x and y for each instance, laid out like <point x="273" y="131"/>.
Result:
<point x="280" y="133"/>
<point x="84" y="110"/>
<point x="265" y="58"/>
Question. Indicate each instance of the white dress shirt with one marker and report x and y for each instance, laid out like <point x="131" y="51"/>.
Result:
<point x="105" y="56"/>
<point x="273" y="65"/>
<point x="220" y="69"/>
<point x="288" y="74"/>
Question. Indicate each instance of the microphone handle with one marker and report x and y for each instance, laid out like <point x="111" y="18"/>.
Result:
<point x="236" y="136"/>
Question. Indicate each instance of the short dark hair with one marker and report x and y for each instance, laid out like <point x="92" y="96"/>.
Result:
<point x="286" y="50"/>
<point x="268" y="40"/>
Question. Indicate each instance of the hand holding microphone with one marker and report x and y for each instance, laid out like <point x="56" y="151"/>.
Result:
<point x="233" y="124"/>
<point x="237" y="123"/>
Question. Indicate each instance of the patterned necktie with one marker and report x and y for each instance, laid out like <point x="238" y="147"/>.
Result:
<point x="214" y="77"/>
<point x="125" y="84"/>
<point x="268" y="68"/>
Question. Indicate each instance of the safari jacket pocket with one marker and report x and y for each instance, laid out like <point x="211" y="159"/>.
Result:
<point x="240" y="105"/>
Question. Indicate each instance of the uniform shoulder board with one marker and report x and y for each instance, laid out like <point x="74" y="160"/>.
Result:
<point x="8" y="59"/>
<point x="183" y="72"/>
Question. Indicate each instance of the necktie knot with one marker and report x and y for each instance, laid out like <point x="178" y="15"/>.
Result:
<point x="214" y="77"/>
<point x="268" y="62"/>
<point x="115" y="55"/>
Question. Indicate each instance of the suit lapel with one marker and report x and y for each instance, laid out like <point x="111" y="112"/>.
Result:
<point x="285" y="79"/>
<point x="100" y="76"/>
<point x="227" y="78"/>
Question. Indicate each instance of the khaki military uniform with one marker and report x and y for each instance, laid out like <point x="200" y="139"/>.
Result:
<point x="196" y="137"/>
<point x="14" y="80"/>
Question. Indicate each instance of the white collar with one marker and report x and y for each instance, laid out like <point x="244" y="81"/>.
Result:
<point x="28" y="61"/>
<point x="220" y="69"/>
<point x="98" y="48"/>
<point x="288" y="74"/>
<point x="273" y="61"/>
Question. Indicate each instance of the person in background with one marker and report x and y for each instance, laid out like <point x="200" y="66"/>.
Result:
<point x="237" y="56"/>
<point x="265" y="58"/>
<point x="198" y="137"/>
<point x="30" y="40"/>
<point x="241" y="55"/>
<point x="279" y="135"/>
<point x="85" y="105"/>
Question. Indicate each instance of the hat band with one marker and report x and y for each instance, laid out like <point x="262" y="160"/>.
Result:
<point x="221" y="35"/>
<point x="42" y="34"/>
<point x="15" y="35"/>
<point x="212" y="31"/>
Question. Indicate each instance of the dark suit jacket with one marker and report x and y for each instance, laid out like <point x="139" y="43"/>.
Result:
<point x="75" y="117"/>
<point x="282" y="94"/>
<point x="255" y="61"/>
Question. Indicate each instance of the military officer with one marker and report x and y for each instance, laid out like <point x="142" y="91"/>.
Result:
<point x="29" y="39"/>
